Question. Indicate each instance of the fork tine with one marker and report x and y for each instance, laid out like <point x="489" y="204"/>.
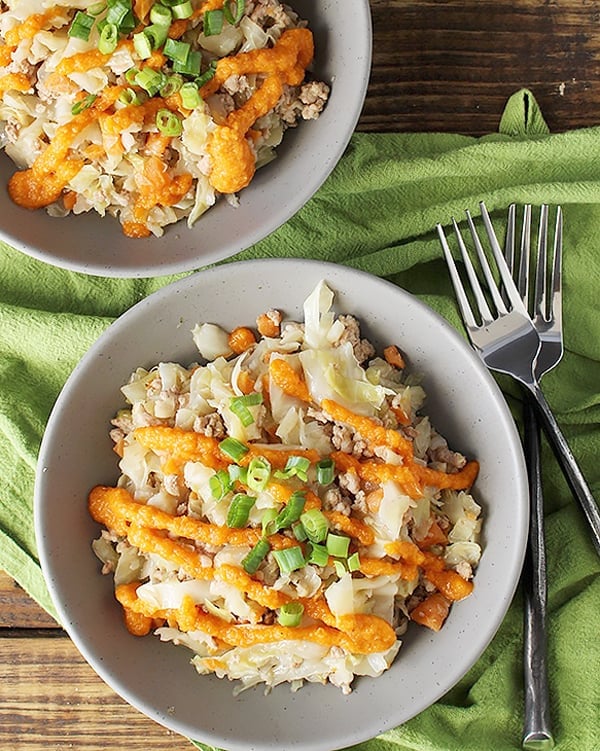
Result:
<point x="540" y="298"/>
<point x="524" y="260"/>
<point x="556" y="281"/>
<point x="511" y="289"/>
<point x="485" y="267"/>
<point x="459" y="290"/>
<point x="509" y="240"/>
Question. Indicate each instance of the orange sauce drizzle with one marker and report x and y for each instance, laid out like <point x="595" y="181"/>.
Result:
<point x="14" y="82"/>
<point x="289" y="381"/>
<point x="233" y="160"/>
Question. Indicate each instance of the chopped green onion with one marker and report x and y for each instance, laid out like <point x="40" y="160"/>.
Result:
<point x="128" y="24"/>
<point x="176" y="50"/>
<point x="337" y="545"/>
<point x="83" y="104"/>
<point x="325" y="471"/>
<point x="109" y="36"/>
<point x="96" y="9"/>
<point x="315" y="524"/>
<point x="220" y="484"/>
<point x="239" y="510"/>
<point x="156" y="34"/>
<point x="238" y="474"/>
<point x="268" y="522"/>
<point x="256" y="556"/>
<point x="81" y="26"/>
<point x="237" y="404"/>
<point x="168" y="123"/>
<point x="233" y="448"/>
<point x="160" y="15"/>
<point x="118" y="13"/>
<point x="191" y="67"/>
<point x="339" y="567"/>
<point x="213" y="22"/>
<point x="291" y="512"/>
<point x="130" y="75"/>
<point x="259" y="474"/>
<point x="354" y="562"/>
<point x="208" y="74"/>
<point x="290" y="614"/>
<point x="142" y="45"/>
<point x="240" y="6"/>
<point x="129" y="97"/>
<point x="295" y="466"/>
<point x="173" y="85"/>
<point x="289" y="559"/>
<point x="299" y="532"/>
<point x="318" y="554"/>
<point x="182" y="10"/>
<point x="150" y="80"/>
<point x="190" y="99"/>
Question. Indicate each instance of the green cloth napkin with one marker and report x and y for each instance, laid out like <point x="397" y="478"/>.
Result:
<point x="377" y="212"/>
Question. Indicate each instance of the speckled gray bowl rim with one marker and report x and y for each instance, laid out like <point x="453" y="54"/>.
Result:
<point x="93" y="245"/>
<point x="465" y="404"/>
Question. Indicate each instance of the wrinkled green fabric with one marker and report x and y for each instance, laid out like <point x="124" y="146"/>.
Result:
<point x="377" y="212"/>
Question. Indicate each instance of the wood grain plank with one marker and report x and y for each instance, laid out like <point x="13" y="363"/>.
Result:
<point x="51" y="699"/>
<point x="450" y="66"/>
<point x="18" y="610"/>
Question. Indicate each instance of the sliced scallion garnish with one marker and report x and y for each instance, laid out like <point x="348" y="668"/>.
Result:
<point x="325" y="471"/>
<point x="354" y="562"/>
<point x="142" y="45"/>
<point x="190" y="99"/>
<point x="259" y="474"/>
<point x="289" y="559"/>
<point x="208" y="74"/>
<point x="150" y="80"/>
<point x="337" y="545"/>
<point x="290" y="614"/>
<point x="233" y="18"/>
<point x="182" y="10"/>
<point x="317" y="554"/>
<point x="173" y="85"/>
<point x="191" y="67"/>
<point x="239" y="510"/>
<point x="83" y="104"/>
<point x="176" y="50"/>
<point x="233" y="449"/>
<point x="296" y="466"/>
<point x="109" y="36"/>
<point x="269" y="526"/>
<point x="316" y="525"/>
<point x="81" y="26"/>
<point x="256" y="556"/>
<point x="213" y="22"/>
<point x="160" y="15"/>
<point x="168" y="123"/>
<point x="292" y="511"/>
<point x="220" y="484"/>
<point x="237" y="473"/>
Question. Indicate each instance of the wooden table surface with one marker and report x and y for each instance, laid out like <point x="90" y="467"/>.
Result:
<point x="441" y="65"/>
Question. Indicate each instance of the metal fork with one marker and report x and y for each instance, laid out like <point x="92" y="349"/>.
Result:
<point x="508" y="342"/>
<point x="547" y="319"/>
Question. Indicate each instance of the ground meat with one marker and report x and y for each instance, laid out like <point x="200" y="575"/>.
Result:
<point x="349" y="481"/>
<point x="346" y="440"/>
<point x="363" y="349"/>
<point x="335" y="500"/>
<point x="314" y="96"/>
<point x="464" y="569"/>
<point x="439" y="453"/>
<point x="210" y="425"/>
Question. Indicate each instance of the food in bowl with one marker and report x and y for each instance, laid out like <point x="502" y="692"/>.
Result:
<point x="148" y="111"/>
<point x="285" y="509"/>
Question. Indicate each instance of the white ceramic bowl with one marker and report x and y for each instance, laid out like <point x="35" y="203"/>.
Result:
<point x="463" y="402"/>
<point x="308" y="154"/>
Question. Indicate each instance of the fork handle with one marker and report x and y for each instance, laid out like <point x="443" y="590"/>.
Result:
<point x="536" y="727"/>
<point x="568" y="463"/>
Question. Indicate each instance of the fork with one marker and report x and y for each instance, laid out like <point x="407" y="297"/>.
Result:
<point x="536" y="728"/>
<point x="507" y="342"/>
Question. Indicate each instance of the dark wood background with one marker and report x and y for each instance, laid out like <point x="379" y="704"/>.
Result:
<point x="441" y="65"/>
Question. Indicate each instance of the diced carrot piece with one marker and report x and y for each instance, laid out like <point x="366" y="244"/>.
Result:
<point x="435" y="536"/>
<point x="267" y="326"/>
<point x="432" y="612"/>
<point x="393" y="357"/>
<point x="241" y="339"/>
